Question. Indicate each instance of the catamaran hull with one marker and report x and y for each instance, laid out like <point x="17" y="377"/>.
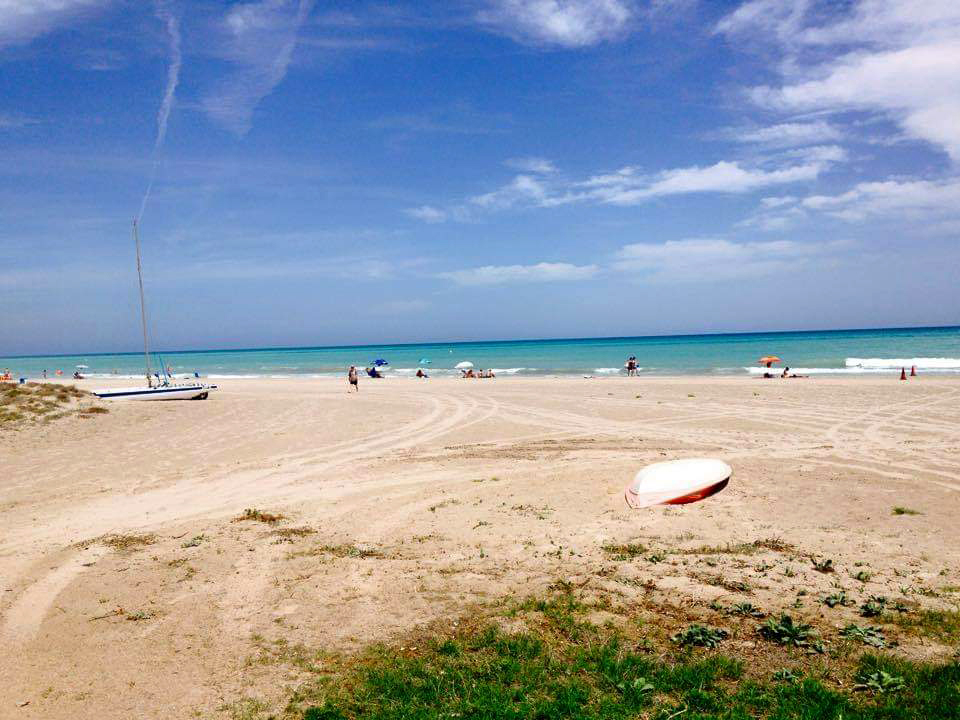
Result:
<point x="177" y="392"/>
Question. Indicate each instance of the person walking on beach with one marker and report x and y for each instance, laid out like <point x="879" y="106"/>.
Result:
<point x="352" y="378"/>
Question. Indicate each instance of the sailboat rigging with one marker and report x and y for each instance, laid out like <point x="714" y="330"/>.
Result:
<point x="164" y="388"/>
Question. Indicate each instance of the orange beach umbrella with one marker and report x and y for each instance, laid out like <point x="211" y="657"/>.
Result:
<point x="767" y="359"/>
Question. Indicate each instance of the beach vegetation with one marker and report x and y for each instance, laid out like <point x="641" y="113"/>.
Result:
<point x="700" y="636"/>
<point x="784" y="630"/>
<point x="941" y="625"/>
<point x="43" y="401"/>
<point x="862" y="576"/>
<point x="899" y="510"/>
<point x="838" y="598"/>
<point x="549" y="661"/>
<point x="824" y="565"/>
<point x="745" y="609"/>
<point x="872" y="636"/>
<point x="255" y="515"/>
<point x="626" y="551"/>
<point x="874" y="606"/>
<point x="342" y="550"/>
<point x="194" y="541"/>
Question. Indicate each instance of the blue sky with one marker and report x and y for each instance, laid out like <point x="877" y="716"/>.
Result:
<point x="341" y="172"/>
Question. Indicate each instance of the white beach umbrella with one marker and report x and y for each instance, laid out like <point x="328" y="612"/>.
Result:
<point x="465" y="365"/>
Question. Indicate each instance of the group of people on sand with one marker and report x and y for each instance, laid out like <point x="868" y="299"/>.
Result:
<point x="481" y="373"/>
<point x="353" y="377"/>
<point x="768" y="372"/>
<point x="631" y="366"/>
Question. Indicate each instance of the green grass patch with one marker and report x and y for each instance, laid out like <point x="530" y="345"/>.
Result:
<point x="941" y="625"/>
<point x="553" y="663"/>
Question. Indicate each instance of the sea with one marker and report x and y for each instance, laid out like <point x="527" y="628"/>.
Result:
<point x="932" y="350"/>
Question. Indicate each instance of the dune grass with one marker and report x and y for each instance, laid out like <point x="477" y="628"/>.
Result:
<point x="554" y="662"/>
<point x="42" y="401"/>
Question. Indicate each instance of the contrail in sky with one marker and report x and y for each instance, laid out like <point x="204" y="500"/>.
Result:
<point x="173" y="77"/>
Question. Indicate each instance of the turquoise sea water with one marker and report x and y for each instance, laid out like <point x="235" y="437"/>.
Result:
<point x="932" y="350"/>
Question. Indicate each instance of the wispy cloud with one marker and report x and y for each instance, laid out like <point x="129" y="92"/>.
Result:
<point x="172" y="27"/>
<point x="785" y="135"/>
<point x="896" y="59"/>
<point x="891" y="200"/>
<point x="715" y="259"/>
<point x="539" y="273"/>
<point x="537" y="165"/>
<point x="632" y="186"/>
<point x="259" y="40"/>
<point x="558" y="23"/>
<point x="16" y="120"/>
<point x="23" y="20"/>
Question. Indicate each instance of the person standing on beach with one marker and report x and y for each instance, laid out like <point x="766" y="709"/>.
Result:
<point x="352" y="378"/>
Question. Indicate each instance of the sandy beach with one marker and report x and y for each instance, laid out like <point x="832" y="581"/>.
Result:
<point x="128" y="588"/>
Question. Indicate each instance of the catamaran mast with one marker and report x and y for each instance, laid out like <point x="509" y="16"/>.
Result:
<point x="143" y="306"/>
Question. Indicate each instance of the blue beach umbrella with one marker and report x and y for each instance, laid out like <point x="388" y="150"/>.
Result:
<point x="380" y="362"/>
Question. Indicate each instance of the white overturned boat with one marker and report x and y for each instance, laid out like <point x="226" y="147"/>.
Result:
<point x="677" y="482"/>
<point x="164" y="389"/>
<point x="187" y="391"/>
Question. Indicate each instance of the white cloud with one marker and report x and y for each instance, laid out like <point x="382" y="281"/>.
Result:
<point x="914" y="198"/>
<point x="932" y="201"/>
<point x="260" y="38"/>
<point x="536" y="165"/>
<point x="15" y="120"/>
<point x="23" y="20"/>
<point x="790" y="134"/>
<point x="630" y="186"/>
<point x="428" y="213"/>
<point x="524" y="189"/>
<point x="564" y="23"/>
<point x="714" y="259"/>
<point x="502" y="274"/>
<point x="897" y="59"/>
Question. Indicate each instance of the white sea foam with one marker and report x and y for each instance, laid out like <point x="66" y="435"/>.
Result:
<point x="608" y="371"/>
<point x="233" y="377"/>
<point x="922" y="363"/>
<point x="511" y="371"/>
<point x="844" y="370"/>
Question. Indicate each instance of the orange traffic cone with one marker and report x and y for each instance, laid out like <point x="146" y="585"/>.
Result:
<point x="913" y="371"/>
<point x="903" y="374"/>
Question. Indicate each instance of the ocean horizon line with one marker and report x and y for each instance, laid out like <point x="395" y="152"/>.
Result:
<point x="518" y="341"/>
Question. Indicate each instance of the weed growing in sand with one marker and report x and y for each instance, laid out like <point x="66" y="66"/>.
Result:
<point x="656" y="557"/>
<point x="862" y="576"/>
<point x="252" y="514"/>
<point x="874" y="606"/>
<point x="824" y="566"/>
<point x="140" y="615"/>
<point x="445" y="503"/>
<point x="879" y="682"/>
<point x="785" y="631"/>
<point x="194" y="541"/>
<point x="700" y="636"/>
<point x="786" y="675"/>
<point x="125" y="542"/>
<point x="293" y="532"/>
<point x="899" y="510"/>
<point x="627" y="551"/>
<point x="344" y="550"/>
<point x="872" y="636"/>
<point x="837" y="598"/>
<point x="745" y="609"/>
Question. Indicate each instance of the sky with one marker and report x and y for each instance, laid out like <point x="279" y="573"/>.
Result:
<point x="315" y="173"/>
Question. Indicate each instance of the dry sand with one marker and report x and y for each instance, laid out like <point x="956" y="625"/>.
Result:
<point x="418" y="498"/>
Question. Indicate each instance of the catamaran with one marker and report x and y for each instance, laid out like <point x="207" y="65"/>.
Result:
<point x="157" y="388"/>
